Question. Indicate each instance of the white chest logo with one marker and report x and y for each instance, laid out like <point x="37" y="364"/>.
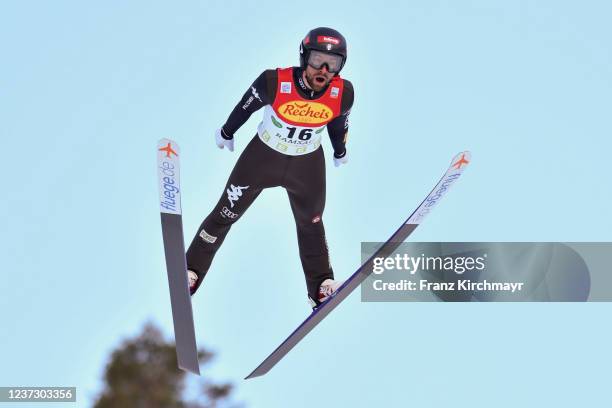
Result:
<point x="234" y="193"/>
<point x="286" y="87"/>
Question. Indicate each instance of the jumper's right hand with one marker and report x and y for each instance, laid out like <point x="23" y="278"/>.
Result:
<point x="338" y="161"/>
<point x="223" y="142"/>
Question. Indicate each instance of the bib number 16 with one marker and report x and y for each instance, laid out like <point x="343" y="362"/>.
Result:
<point x="305" y="134"/>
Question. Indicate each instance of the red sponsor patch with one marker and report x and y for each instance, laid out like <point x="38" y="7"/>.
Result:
<point x="327" y="39"/>
<point x="316" y="219"/>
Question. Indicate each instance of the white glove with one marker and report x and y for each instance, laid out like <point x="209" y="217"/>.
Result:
<point x="222" y="142"/>
<point x="341" y="160"/>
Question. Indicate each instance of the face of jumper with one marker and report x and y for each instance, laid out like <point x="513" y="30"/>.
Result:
<point x="318" y="78"/>
<point x="318" y="69"/>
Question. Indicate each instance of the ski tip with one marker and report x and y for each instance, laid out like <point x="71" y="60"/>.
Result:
<point x="168" y="146"/>
<point x="254" y="374"/>
<point x="461" y="160"/>
<point x="193" y="370"/>
<point x="167" y="149"/>
<point x="165" y="140"/>
<point x="262" y="369"/>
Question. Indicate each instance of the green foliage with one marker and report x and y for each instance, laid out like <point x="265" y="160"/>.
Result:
<point x="143" y="372"/>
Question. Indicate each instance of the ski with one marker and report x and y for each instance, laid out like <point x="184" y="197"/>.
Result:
<point x="168" y="173"/>
<point x="458" y="164"/>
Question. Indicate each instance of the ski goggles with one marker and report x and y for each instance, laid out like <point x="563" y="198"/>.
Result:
<point x="317" y="59"/>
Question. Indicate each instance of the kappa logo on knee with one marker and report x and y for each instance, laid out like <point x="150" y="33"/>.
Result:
<point x="234" y="193"/>
<point x="226" y="213"/>
<point x="316" y="219"/>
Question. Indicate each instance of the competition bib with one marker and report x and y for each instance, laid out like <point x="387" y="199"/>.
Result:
<point x="293" y="125"/>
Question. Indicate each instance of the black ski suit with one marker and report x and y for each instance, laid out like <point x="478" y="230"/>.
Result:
<point x="260" y="167"/>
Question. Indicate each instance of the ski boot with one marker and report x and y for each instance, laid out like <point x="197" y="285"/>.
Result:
<point x="326" y="290"/>
<point x="193" y="280"/>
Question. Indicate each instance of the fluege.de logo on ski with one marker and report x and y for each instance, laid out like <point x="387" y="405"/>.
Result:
<point x="433" y="199"/>
<point x="170" y="190"/>
<point x="305" y="112"/>
<point x="169" y="179"/>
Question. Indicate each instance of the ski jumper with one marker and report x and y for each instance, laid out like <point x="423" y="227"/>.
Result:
<point x="286" y="152"/>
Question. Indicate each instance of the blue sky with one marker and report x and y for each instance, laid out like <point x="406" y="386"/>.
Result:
<point x="88" y="89"/>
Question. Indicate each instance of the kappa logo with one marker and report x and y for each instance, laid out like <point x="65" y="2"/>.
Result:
<point x="316" y="219"/>
<point x="234" y="193"/>
<point x="286" y="87"/>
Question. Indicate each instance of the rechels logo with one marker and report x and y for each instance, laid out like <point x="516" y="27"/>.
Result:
<point x="305" y="112"/>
